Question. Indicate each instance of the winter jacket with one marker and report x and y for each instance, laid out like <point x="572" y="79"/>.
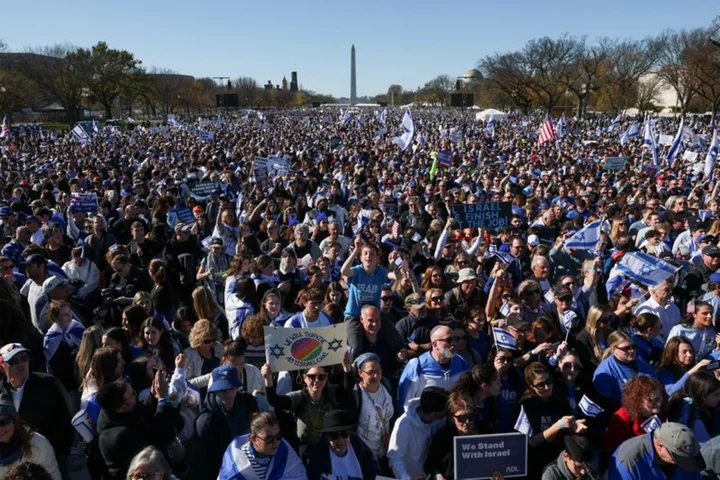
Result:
<point x="41" y="454"/>
<point x="194" y="366"/>
<point x="319" y="462"/>
<point x="410" y="442"/>
<point x="425" y="371"/>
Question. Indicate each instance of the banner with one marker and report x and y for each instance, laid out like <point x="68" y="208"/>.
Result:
<point x="615" y="163"/>
<point x="483" y="215"/>
<point x="206" y="136"/>
<point x="278" y="166"/>
<point x="478" y="456"/>
<point x="185" y="215"/>
<point x="665" y="140"/>
<point x="203" y="189"/>
<point x="690" y="156"/>
<point x="444" y="158"/>
<point x="260" y="170"/>
<point x="84" y="202"/>
<point x="300" y="348"/>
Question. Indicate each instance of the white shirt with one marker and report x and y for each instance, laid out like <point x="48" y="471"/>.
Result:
<point x="374" y="423"/>
<point x="344" y="467"/>
<point x="669" y="315"/>
<point x="37" y="300"/>
<point x="17" y="395"/>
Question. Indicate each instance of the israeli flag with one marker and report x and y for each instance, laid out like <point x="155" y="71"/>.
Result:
<point x="632" y="131"/>
<point x="408" y="125"/>
<point x="346" y="118"/>
<point x="490" y="127"/>
<point x="712" y="153"/>
<point x="676" y="145"/>
<point x="645" y="269"/>
<point x="704" y="214"/>
<point x="504" y="339"/>
<point x="586" y="238"/>
<point x="615" y="123"/>
<point x="522" y="424"/>
<point x="650" y="142"/>
<point x="505" y="257"/>
<point x="651" y="424"/>
<point x="456" y="136"/>
<point x="589" y="408"/>
<point x="561" y="127"/>
<point x="381" y="117"/>
<point x="80" y="134"/>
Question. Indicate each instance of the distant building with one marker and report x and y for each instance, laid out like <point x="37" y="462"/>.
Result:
<point x="293" y="82"/>
<point x="284" y="83"/>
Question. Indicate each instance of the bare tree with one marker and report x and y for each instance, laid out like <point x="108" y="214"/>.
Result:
<point x="548" y="60"/>
<point x="437" y="90"/>
<point x="703" y="63"/>
<point x="647" y="93"/>
<point x="248" y="91"/>
<point x="628" y="60"/>
<point x="672" y="67"/>
<point x="509" y="74"/>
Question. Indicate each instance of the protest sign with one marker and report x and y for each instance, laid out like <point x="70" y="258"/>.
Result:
<point x="203" y="189"/>
<point x="690" y="156"/>
<point x="300" y="348"/>
<point x="260" y="170"/>
<point x="666" y="140"/>
<point x="185" y="215"/>
<point x="206" y="136"/>
<point x="444" y="158"/>
<point x="84" y="202"/>
<point x="390" y="207"/>
<point x="335" y="142"/>
<point x="484" y="215"/>
<point x="615" y="163"/>
<point x="479" y="456"/>
<point x="278" y="166"/>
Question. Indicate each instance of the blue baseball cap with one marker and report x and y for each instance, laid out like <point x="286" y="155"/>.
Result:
<point x="224" y="377"/>
<point x="6" y="211"/>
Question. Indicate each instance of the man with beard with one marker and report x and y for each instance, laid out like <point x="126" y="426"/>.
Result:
<point x="439" y="367"/>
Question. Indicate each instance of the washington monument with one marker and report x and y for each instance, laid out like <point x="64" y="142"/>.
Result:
<point x="353" y="85"/>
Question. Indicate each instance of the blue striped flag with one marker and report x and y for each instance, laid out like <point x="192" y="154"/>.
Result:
<point x="585" y="238"/>
<point x="381" y="116"/>
<point x="505" y="257"/>
<point x="615" y="123"/>
<point x="712" y="153"/>
<point x="632" y="131"/>
<point x="650" y="142"/>
<point x="80" y="134"/>
<point x="561" y="127"/>
<point x="676" y="145"/>
<point x="503" y="339"/>
<point x="522" y="424"/>
<point x="408" y="125"/>
<point x="590" y="408"/>
<point x="490" y="127"/>
<point x="646" y="269"/>
<point x="346" y="118"/>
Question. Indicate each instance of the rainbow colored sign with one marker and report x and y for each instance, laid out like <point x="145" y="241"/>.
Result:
<point x="300" y="348"/>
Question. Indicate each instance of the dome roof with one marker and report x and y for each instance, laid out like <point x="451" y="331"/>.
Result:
<point x="473" y="74"/>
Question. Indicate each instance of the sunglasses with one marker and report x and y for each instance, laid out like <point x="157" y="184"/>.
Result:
<point x="320" y="377"/>
<point x="570" y="366"/>
<point x="504" y="359"/>
<point x="436" y="299"/>
<point x="5" y="420"/>
<point x="273" y="439"/>
<point x="448" y="340"/>
<point x="386" y="299"/>
<point x="337" y="435"/>
<point x="467" y="418"/>
<point x="18" y="359"/>
<point x="546" y="384"/>
<point x="629" y="348"/>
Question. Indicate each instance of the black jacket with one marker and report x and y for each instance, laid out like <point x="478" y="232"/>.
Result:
<point x="122" y="435"/>
<point x="214" y="434"/>
<point x="319" y="463"/>
<point x="45" y="407"/>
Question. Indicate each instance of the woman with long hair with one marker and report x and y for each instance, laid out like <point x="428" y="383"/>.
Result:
<point x="335" y="293"/>
<point x="226" y="228"/>
<point x="620" y="364"/>
<point x="534" y="304"/>
<point x="156" y="342"/>
<point x="545" y="417"/>
<point x="696" y="405"/>
<point x="642" y="398"/>
<point x="145" y="300"/>
<point x="19" y="444"/>
<point x="262" y="274"/>
<point x="206" y="307"/>
<point x="107" y="366"/>
<point x="61" y="344"/>
<point x="90" y="342"/>
<point x="203" y="355"/>
<point x="592" y="340"/>
<point x="698" y="328"/>
<point x="132" y="319"/>
<point x="271" y="309"/>
<point x="162" y="293"/>
<point x="432" y="278"/>
<point x="115" y="337"/>
<point x="647" y="327"/>
<point x="482" y="384"/>
<point x="678" y="363"/>
<point x="512" y="387"/>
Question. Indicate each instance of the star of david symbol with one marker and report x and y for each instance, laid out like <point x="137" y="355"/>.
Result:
<point x="645" y="269"/>
<point x="580" y="236"/>
<point x="334" y="345"/>
<point x="277" y="351"/>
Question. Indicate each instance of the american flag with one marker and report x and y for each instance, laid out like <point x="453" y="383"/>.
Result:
<point x="547" y="131"/>
<point x="5" y="129"/>
<point x="395" y="229"/>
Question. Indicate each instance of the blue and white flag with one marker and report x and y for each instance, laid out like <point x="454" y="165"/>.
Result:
<point x="381" y="116"/>
<point x="651" y="424"/>
<point x="408" y="125"/>
<point x="704" y="214"/>
<point x="712" y="153"/>
<point x="505" y="257"/>
<point x="632" y="131"/>
<point x="585" y="238"/>
<point x="346" y="118"/>
<point x="590" y="408"/>
<point x="615" y="123"/>
<point x="522" y="424"/>
<point x="646" y="269"/>
<point x="650" y="142"/>
<point x="503" y="339"/>
<point x="490" y="127"/>
<point x="676" y="145"/>
<point x="456" y="136"/>
<point x="80" y="134"/>
<point x="561" y="127"/>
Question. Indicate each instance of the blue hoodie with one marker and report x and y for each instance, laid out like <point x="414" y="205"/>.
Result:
<point x="611" y="375"/>
<point x="425" y="371"/>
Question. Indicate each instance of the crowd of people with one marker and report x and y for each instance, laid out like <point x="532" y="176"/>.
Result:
<point x="132" y="331"/>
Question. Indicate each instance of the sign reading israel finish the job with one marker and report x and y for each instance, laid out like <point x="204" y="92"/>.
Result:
<point x="300" y="348"/>
<point x="480" y="456"/>
<point x="484" y="215"/>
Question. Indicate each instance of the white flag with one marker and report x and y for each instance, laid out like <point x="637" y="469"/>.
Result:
<point x="301" y="348"/>
<point x="408" y="125"/>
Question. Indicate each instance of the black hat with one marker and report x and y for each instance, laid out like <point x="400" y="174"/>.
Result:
<point x="516" y="321"/>
<point x="337" y="421"/>
<point x="579" y="448"/>
<point x="711" y="250"/>
<point x="216" y="241"/>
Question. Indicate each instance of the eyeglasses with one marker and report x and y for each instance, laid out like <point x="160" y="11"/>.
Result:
<point x="5" y="420"/>
<point x="337" y="435"/>
<point x="436" y="299"/>
<point x="448" y="340"/>
<point x="386" y="299"/>
<point x="546" y="384"/>
<point x="372" y="373"/>
<point x="568" y="284"/>
<point x="6" y="267"/>
<point x="570" y="366"/>
<point x="320" y="377"/>
<point x="467" y="418"/>
<point x="502" y="359"/>
<point x="18" y="359"/>
<point x="145" y="475"/>
<point x="629" y="348"/>
<point x="273" y="439"/>
<point x="463" y="262"/>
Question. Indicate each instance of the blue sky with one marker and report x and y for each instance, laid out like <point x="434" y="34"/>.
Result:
<point x="269" y="39"/>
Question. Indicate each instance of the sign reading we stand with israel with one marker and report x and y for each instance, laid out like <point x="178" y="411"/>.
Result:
<point x="301" y="348"/>
<point x="480" y="456"/>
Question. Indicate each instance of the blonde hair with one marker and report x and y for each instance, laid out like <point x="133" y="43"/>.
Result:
<point x="615" y="339"/>
<point x="201" y="330"/>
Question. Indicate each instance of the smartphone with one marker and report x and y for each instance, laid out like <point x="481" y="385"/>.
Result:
<point x="712" y="366"/>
